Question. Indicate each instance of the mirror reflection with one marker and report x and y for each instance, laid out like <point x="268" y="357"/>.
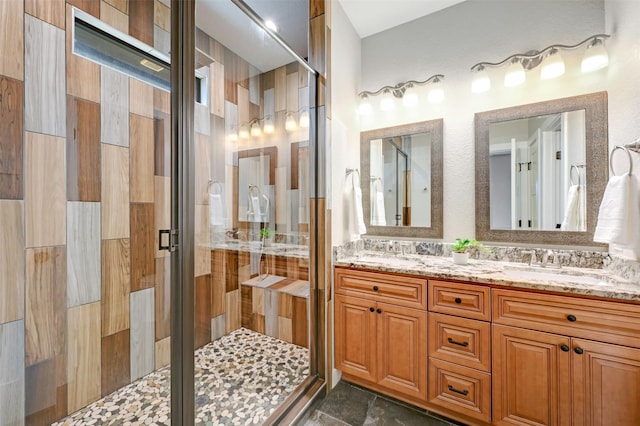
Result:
<point x="400" y="180"/>
<point x="541" y="170"/>
<point x="256" y="184"/>
<point x="538" y="173"/>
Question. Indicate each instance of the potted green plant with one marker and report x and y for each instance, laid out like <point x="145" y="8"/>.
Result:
<point x="266" y="235"/>
<point x="461" y="247"/>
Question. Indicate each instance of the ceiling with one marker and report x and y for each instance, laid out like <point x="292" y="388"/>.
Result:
<point x="369" y="17"/>
<point x="222" y="20"/>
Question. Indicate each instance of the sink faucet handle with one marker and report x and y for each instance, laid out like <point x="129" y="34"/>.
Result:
<point x="532" y="260"/>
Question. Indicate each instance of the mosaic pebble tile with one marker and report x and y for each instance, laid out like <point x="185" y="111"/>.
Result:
<point x="240" y="380"/>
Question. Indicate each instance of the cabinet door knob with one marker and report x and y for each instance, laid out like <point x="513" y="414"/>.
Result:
<point x="379" y="310"/>
<point x="564" y="348"/>
<point x="461" y="392"/>
<point x="371" y="309"/>
<point x="579" y="350"/>
<point x="572" y="318"/>
<point x="375" y="288"/>
<point x="463" y="344"/>
<point x="458" y="300"/>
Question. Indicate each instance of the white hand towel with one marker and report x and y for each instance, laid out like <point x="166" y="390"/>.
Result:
<point x="616" y="216"/>
<point x="357" y="203"/>
<point x="571" y="221"/>
<point x="377" y="210"/>
<point x="582" y="203"/>
<point x="216" y="210"/>
<point x="255" y="209"/>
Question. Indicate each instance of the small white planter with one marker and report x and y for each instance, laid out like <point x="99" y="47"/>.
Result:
<point x="460" y="258"/>
<point x="267" y="242"/>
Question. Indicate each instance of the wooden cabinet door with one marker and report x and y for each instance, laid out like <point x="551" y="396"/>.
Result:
<point x="606" y="380"/>
<point x="355" y="337"/>
<point x="402" y="350"/>
<point x="531" y="377"/>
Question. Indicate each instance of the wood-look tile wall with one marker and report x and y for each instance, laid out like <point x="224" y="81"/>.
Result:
<point x="84" y="293"/>
<point x="84" y="188"/>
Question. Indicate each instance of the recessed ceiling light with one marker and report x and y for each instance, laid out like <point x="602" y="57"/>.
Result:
<point x="271" y="25"/>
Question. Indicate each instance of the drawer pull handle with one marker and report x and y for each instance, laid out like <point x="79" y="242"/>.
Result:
<point x="458" y="300"/>
<point x="379" y="310"/>
<point x="453" y="342"/>
<point x="461" y="392"/>
<point x="371" y="309"/>
<point x="375" y="288"/>
<point x="564" y="348"/>
<point x="579" y="350"/>
<point x="572" y="318"/>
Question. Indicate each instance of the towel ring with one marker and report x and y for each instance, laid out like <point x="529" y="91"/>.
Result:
<point x="573" y="167"/>
<point x="617" y="147"/>
<point x="215" y="185"/>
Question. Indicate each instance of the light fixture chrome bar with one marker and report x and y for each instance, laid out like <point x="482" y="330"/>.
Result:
<point x="399" y="89"/>
<point x="261" y="23"/>
<point x="538" y="54"/>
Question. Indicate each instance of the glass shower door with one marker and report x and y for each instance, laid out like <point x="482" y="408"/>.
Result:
<point x="251" y="211"/>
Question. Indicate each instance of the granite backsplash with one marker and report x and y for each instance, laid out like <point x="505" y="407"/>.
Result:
<point x="627" y="269"/>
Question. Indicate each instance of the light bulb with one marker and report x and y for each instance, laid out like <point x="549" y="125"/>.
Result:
<point x="365" y="106"/>
<point x="595" y="57"/>
<point x="481" y="82"/>
<point x="255" y="129"/>
<point x="290" y="123"/>
<point x="387" y="103"/>
<point x="410" y="98"/>
<point x="233" y="135"/>
<point x="552" y="66"/>
<point x="436" y="94"/>
<point x="304" y="118"/>
<point x="515" y="74"/>
<point x="243" y="133"/>
<point x="269" y="127"/>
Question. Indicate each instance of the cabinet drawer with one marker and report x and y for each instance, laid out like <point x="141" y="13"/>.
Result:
<point x="460" y="340"/>
<point x="397" y="289"/>
<point x="460" y="389"/>
<point x="471" y="301"/>
<point x="604" y="321"/>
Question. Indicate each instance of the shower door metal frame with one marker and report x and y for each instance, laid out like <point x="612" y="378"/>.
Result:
<point x="182" y="197"/>
<point x="183" y="409"/>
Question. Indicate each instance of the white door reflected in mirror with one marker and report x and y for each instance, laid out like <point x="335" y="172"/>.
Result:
<point x="538" y="173"/>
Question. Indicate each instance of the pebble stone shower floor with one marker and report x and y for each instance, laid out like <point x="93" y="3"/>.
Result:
<point x="240" y="379"/>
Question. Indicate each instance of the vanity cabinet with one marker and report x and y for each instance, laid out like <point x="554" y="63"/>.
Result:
<point x="548" y="371"/>
<point x="488" y="354"/>
<point x="380" y="344"/>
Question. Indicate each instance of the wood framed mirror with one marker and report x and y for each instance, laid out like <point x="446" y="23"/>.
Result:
<point x="528" y="158"/>
<point x="401" y="180"/>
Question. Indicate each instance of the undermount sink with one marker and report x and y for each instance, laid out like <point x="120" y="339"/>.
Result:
<point x="389" y="260"/>
<point x="551" y="276"/>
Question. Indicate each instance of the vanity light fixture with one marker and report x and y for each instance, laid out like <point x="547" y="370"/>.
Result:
<point x="405" y="91"/>
<point x="481" y="82"/>
<point x="515" y="74"/>
<point x="290" y="123"/>
<point x="269" y="126"/>
<point x="232" y="136"/>
<point x="243" y="131"/>
<point x="552" y="65"/>
<point x="256" y="131"/>
<point x="549" y="58"/>
<point x="304" y="117"/>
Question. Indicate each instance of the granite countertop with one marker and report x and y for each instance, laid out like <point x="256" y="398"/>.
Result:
<point x="578" y="281"/>
<point x="276" y="249"/>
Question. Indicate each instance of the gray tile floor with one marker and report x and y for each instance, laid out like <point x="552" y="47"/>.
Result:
<point x="351" y="405"/>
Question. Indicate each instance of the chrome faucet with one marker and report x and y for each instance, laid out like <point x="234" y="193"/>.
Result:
<point x="555" y="263"/>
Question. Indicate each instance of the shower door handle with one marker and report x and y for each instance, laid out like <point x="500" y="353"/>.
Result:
<point x="172" y="240"/>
